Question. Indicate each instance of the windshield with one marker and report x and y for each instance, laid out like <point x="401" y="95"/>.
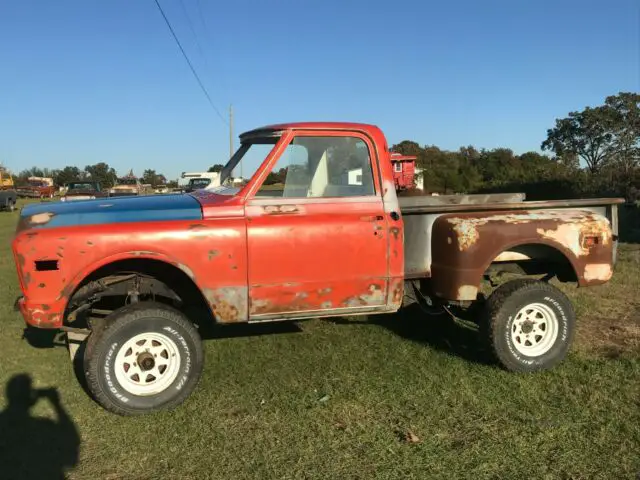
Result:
<point x="251" y="153"/>
<point x="199" y="182"/>
<point x="127" y="181"/>
<point x="81" y="186"/>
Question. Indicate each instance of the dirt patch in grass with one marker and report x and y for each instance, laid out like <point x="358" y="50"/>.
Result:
<point x="609" y="315"/>
<point x="610" y="337"/>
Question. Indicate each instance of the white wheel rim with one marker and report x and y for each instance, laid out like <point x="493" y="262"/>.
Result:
<point x="147" y="364"/>
<point x="534" y="330"/>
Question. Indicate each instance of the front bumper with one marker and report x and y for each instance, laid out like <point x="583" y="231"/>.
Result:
<point x="28" y="194"/>
<point x="40" y="316"/>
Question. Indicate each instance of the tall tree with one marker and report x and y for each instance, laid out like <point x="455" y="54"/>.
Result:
<point x="216" y="168"/>
<point x="67" y="174"/>
<point x="625" y="114"/>
<point x="599" y="135"/>
<point x="152" y="178"/>
<point x="103" y="173"/>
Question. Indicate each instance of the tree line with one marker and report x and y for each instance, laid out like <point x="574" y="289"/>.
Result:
<point x="593" y="152"/>
<point x="99" y="172"/>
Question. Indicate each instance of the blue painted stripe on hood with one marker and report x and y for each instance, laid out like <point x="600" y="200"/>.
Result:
<point x="146" y="208"/>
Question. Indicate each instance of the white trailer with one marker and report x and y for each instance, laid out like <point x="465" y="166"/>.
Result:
<point x="200" y="180"/>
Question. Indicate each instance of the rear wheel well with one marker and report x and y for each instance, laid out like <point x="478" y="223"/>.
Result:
<point x="128" y="281"/>
<point x="533" y="260"/>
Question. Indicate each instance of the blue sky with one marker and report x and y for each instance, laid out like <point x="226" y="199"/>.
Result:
<point x="88" y="81"/>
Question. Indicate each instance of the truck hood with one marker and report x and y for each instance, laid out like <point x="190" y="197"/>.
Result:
<point x="147" y="208"/>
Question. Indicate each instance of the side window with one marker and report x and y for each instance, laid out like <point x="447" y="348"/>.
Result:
<point x="320" y="167"/>
<point x="397" y="167"/>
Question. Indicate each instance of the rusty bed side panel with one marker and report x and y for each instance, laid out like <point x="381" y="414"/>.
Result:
<point x="211" y="252"/>
<point x="418" y="208"/>
<point x="465" y="245"/>
<point x="419" y="201"/>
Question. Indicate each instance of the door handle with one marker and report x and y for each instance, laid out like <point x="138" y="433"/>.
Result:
<point x="372" y="218"/>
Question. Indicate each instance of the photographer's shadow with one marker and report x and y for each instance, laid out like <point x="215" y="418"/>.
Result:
<point x="32" y="447"/>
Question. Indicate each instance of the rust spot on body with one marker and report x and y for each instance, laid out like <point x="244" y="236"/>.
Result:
<point x="213" y="254"/>
<point x="196" y="226"/>
<point x="466" y="229"/>
<point x="66" y="291"/>
<point x="396" y="292"/>
<point x="280" y="209"/>
<point x="374" y="296"/>
<point x="260" y="306"/>
<point x="229" y="304"/>
<point x="395" y="231"/>
<point x="598" y="272"/>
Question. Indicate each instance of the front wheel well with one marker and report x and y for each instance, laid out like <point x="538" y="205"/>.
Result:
<point x="131" y="280"/>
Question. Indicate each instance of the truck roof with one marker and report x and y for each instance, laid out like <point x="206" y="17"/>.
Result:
<point x="372" y="130"/>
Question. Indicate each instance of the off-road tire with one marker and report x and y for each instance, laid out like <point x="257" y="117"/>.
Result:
<point x="108" y="338"/>
<point x="498" y="321"/>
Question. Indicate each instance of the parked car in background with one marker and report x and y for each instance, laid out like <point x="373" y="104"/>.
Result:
<point x="37" y="187"/>
<point x="8" y="195"/>
<point x="125" y="186"/>
<point x="82" y="191"/>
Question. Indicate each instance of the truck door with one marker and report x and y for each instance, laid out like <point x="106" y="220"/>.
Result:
<point x="317" y="236"/>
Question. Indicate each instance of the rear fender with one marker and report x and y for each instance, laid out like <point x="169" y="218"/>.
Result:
<point x="464" y="245"/>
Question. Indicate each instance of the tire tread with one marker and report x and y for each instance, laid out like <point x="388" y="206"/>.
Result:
<point x="493" y="316"/>
<point x="120" y="319"/>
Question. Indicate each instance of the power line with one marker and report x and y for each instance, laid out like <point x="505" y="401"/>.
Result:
<point x="190" y="23"/>
<point x="204" y="24"/>
<point x="193" y="70"/>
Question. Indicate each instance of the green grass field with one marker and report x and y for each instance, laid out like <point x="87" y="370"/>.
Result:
<point x="403" y="396"/>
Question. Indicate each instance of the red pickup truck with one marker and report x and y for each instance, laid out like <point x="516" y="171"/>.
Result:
<point x="137" y="275"/>
<point x="38" y="187"/>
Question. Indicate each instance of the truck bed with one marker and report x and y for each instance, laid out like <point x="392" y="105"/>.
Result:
<point x="416" y="205"/>
<point x="473" y="231"/>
